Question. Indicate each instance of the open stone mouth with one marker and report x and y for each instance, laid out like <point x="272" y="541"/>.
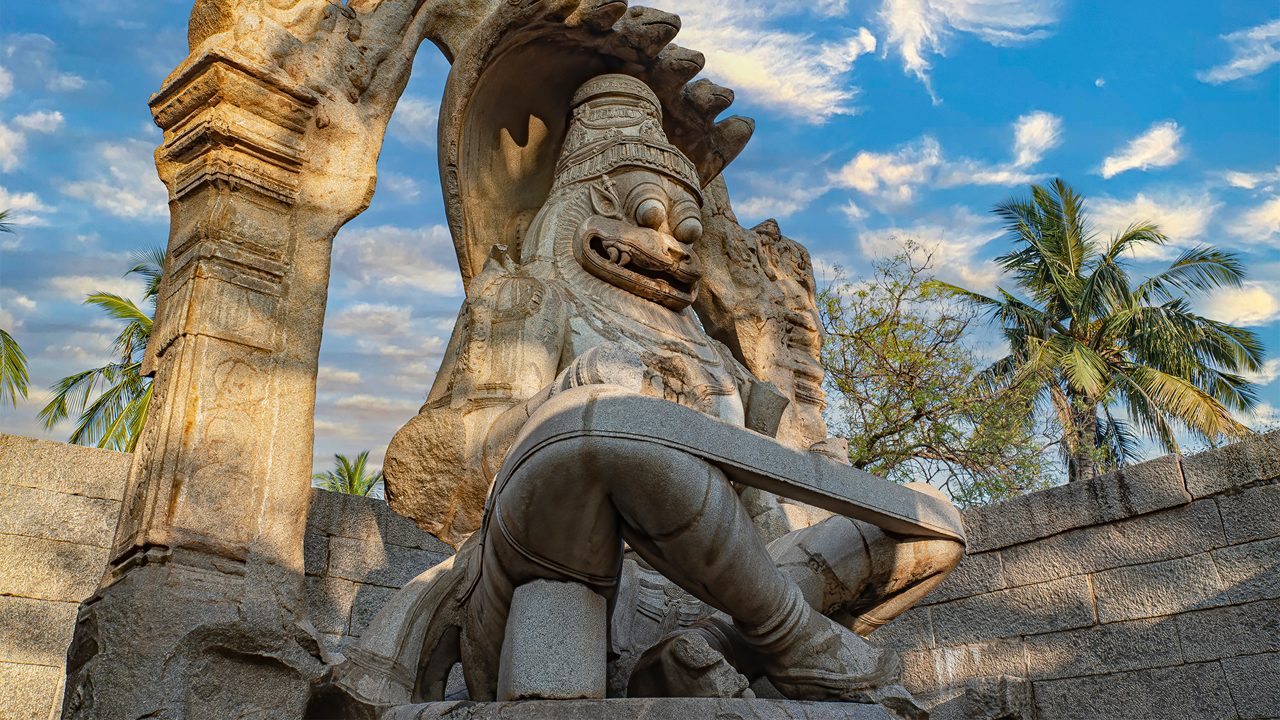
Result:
<point x="622" y="256"/>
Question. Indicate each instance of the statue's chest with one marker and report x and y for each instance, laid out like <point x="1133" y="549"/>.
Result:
<point x="684" y="366"/>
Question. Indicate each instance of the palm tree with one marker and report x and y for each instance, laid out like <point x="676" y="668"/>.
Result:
<point x="348" y="477"/>
<point x="1094" y="342"/>
<point x="14" y="378"/>
<point x="114" y="418"/>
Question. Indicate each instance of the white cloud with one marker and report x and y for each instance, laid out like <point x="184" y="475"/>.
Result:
<point x="330" y="377"/>
<point x="397" y="258"/>
<point x="1252" y="305"/>
<point x="369" y="321"/>
<point x="124" y="183"/>
<point x="1034" y="135"/>
<point x="65" y="82"/>
<point x="953" y="241"/>
<point x="77" y="287"/>
<point x="788" y="71"/>
<point x="1251" y="181"/>
<point x="31" y="60"/>
<point x="777" y="197"/>
<point x="1182" y="217"/>
<point x="1265" y="417"/>
<point x="12" y="144"/>
<point x="24" y="205"/>
<point x="1100" y="82"/>
<point x="40" y="122"/>
<point x="6" y="83"/>
<point x="415" y="121"/>
<point x="403" y="187"/>
<point x="1159" y="146"/>
<point x="895" y="176"/>
<point x="1265" y="375"/>
<point x="1261" y="224"/>
<point x="892" y="176"/>
<point x="1253" y="50"/>
<point x="917" y="29"/>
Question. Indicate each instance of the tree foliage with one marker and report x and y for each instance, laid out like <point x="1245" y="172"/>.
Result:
<point x="908" y="394"/>
<point x="1113" y="356"/>
<point x="349" y="477"/>
<point x="110" y="403"/>
<point x="14" y="377"/>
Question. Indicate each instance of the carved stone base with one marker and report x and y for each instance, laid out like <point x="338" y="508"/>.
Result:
<point x="640" y="709"/>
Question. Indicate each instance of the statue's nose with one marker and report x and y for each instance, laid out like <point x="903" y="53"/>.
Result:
<point x="677" y="251"/>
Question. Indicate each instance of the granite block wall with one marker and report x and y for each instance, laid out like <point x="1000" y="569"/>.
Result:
<point x="1146" y="594"/>
<point x="58" y="508"/>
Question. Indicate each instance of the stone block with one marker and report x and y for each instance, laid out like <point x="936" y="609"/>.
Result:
<point x="1104" y="649"/>
<point x="1230" y="631"/>
<point x="329" y="602"/>
<point x="347" y="516"/>
<point x="1250" y="571"/>
<point x="315" y="553"/>
<point x="556" y="644"/>
<point x="399" y="530"/>
<point x="913" y="630"/>
<point x="1063" y="604"/>
<point x="928" y="671"/>
<point x="29" y="692"/>
<point x="1176" y="693"/>
<point x="378" y="563"/>
<point x="1156" y="589"/>
<point x="49" y="570"/>
<point x="1126" y="493"/>
<point x="1255" y="685"/>
<point x="975" y="575"/>
<point x="996" y="698"/>
<point x="1135" y="541"/>
<point x="61" y="468"/>
<point x="1249" y="461"/>
<point x="368" y="601"/>
<point x="35" y="632"/>
<point x="1253" y="514"/>
<point x="640" y="709"/>
<point x="36" y="513"/>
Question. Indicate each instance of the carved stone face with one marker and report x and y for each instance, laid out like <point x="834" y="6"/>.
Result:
<point x="640" y="237"/>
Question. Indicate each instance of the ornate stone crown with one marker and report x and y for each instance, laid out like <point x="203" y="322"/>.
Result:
<point x="617" y="122"/>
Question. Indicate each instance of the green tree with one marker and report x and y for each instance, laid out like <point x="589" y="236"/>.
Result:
<point x="14" y="378"/>
<point x="906" y="392"/>
<point x="111" y="402"/>
<point x="349" y="477"/>
<point x="1094" y="341"/>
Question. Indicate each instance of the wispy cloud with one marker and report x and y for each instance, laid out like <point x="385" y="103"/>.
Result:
<point x="895" y="177"/>
<point x="25" y="207"/>
<point x="1253" y="305"/>
<point x="392" y="258"/>
<point x="12" y="145"/>
<point x="1183" y="217"/>
<point x="6" y="83"/>
<point x="122" y="181"/>
<point x="953" y="239"/>
<point x="415" y="121"/>
<point x="919" y="29"/>
<point x="46" y="122"/>
<point x="1160" y="146"/>
<point x="786" y="71"/>
<point x="1251" y="180"/>
<point x="31" y="62"/>
<point x="1253" y="50"/>
<point x="1260" y="224"/>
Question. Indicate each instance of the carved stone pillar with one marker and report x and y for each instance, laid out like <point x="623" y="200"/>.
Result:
<point x="201" y="611"/>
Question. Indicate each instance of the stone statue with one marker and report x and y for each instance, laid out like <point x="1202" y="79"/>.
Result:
<point x="619" y="435"/>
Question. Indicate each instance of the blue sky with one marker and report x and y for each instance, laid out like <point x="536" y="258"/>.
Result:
<point x="877" y="119"/>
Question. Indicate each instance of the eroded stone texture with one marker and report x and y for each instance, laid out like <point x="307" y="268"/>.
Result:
<point x="642" y="709"/>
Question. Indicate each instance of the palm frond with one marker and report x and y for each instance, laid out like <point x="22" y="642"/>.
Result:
<point x="5" y="225"/>
<point x="14" y="377"/>
<point x="1197" y="270"/>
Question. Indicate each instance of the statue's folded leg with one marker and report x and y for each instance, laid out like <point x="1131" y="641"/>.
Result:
<point x="564" y="513"/>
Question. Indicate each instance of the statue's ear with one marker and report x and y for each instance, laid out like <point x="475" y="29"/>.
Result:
<point x="604" y="198"/>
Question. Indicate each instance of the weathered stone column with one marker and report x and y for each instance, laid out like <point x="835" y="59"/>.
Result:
<point x="201" y="607"/>
<point x="272" y="128"/>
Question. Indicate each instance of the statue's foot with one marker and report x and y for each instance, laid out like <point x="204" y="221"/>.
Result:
<point x="685" y="665"/>
<point x="825" y="661"/>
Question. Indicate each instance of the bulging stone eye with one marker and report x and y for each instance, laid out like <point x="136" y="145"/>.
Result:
<point x="689" y="231"/>
<point x="651" y="213"/>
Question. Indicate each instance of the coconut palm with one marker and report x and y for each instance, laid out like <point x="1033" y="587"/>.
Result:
<point x="111" y="402"/>
<point x="349" y="477"/>
<point x="14" y="378"/>
<point x="1096" y="342"/>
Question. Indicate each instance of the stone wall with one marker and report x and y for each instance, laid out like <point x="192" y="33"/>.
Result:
<point x="58" y="509"/>
<point x="1149" y="593"/>
<point x="1152" y="593"/>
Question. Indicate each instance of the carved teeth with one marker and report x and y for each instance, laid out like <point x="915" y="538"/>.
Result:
<point x="613" y="253"/>
<point x="625" y="260"/>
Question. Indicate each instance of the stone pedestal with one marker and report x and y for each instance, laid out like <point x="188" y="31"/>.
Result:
<point x="640" y="709"/>
<point x="556" y="643"/>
